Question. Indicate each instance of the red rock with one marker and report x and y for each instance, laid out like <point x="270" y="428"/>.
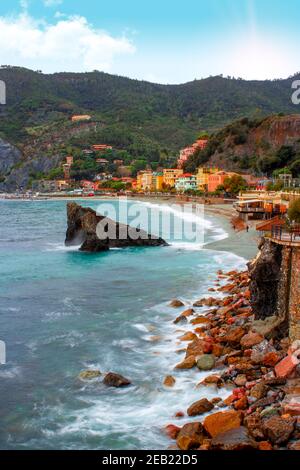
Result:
<point x="212" y="380"/>
<point x="265" y="445"/>
<point x="172" y="431"/>
<point x="286" y="366"/>
<point x="233" y="335"/>
<point x="241" y="404"/>
<point x="217" y="350"/>
<point x="195" y="348"/>
<point x="188" y="312"/>
<point x="200" y="320"/>
<point x="240" y="380"/>
<point x="271" y="359"/>
<point x="229" y="400"/>
<point x="187" y="363"/>
<point x="294" y="445"/>
<point x="179" y="414"/>
<point x="200" y="407"/>
<point x="251" y="339"/>
<point x="220" y="422"/>
<point x="190" y="436"/>
<point x="207" y="347"/>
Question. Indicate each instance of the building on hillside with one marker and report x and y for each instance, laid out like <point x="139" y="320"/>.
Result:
<point x="187" y="152"/>
<point x="186" y="182"/>
<point x="101" y="147"/>
<point x="102" y="161"/>
<point x="217" y="179"/>
<point x="170" y="175"/>
<point x="202" y="177"/>
<point x="69" y="160"/>
<point x="81" y="117"/>
<point x="157" y="181"/>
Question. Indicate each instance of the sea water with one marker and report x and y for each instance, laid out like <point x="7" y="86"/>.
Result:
<point x="63" y="311"/>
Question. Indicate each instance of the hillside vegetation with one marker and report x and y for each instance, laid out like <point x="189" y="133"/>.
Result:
<point x="149" y="122"/>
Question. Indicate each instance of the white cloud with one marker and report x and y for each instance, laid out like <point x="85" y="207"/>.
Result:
<point x="52" y="3"/>
<point x="70" y="44"/>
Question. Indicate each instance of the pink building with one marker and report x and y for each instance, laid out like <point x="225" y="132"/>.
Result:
<point x="187" y="152"/>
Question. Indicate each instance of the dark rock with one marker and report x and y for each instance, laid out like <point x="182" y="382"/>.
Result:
<point x="115" y="380"/>
<point x="200" y="407"/>
<point x="278" y="430"/>
<point x="97" y="233"/>
<point x="234" y="439"/>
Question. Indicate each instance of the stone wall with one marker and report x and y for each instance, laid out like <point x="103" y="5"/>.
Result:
<point x="275" y="286"/>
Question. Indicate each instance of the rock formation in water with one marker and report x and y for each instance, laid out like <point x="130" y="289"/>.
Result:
<point x="275" y="287"/>
<point x="97" y="233"/>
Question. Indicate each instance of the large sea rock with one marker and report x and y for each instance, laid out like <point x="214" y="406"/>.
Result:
<point x="95" y="232"/>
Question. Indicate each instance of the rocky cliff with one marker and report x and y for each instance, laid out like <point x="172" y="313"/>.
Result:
<point x="275" y="288"/>
<point x="97" y="233"/>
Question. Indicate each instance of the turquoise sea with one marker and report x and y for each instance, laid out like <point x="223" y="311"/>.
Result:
<point x="63" y="311"/>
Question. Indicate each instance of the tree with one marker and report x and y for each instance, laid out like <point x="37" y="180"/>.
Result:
<point x="294" y="211"/>
<point x="234" y="184"/>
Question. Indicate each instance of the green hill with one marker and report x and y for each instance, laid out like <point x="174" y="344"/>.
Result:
<point x="150" y="122"/>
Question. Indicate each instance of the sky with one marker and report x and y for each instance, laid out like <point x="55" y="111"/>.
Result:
<point x="162" y="41"/>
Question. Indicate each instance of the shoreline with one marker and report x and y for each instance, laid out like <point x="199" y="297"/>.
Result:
<point x="222" y="339"/>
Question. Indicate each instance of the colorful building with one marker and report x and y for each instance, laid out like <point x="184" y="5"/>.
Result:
<point x="202" y="177"/>
<point x="187" y="152"/>
<point x="101" y="147"/>
<point x="170" y="175"/>
<point x="185" y="182"/>
<point x="157" y="181"/>
<point x="144" y="180"/>
<point x="217" y="179"/>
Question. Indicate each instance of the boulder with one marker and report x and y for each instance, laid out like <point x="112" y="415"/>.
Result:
<point x="115" y="380"/>
<point x="195" y="348"/>
<point x="89" y="374"/>
<point x="176" y="303"/>
<point x="95" y="232"/>
<point x="172" y="431"/>
<point x="200" y="407"/>
<point x="233" y="335"/>
<point x="222" y="421"/>
<point x="251" y="339"/>
<point x="206" y="362"/>
<point x="190" y="436"/>
<point x="189" y="312"/>
<point x="180" y="319"/>
<point x="253" y="423"/>
<point x="169" y="381"/>
<point x="187" y="363"/>
<point x="259" y="391"/>
<point x="278" y="430"/>
<point x="233" y="439"/>
<point x="188" y="336"/>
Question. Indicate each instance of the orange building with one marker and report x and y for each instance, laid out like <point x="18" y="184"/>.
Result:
<point x="101" y="147"/>
<point x="217" y="179"/>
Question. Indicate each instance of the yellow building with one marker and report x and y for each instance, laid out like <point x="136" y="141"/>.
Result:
<point x="202" y="177"/>
<point x="170" y="175"/>
<point x="144" y="180"/>
<point x="157" y="181"/>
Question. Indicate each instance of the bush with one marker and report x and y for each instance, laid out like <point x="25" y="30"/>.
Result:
<point x="294" y="211"/>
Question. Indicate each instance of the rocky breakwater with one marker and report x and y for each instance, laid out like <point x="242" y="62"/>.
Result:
<point x="247" y="358"/>
<point x="96" y="233"/>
